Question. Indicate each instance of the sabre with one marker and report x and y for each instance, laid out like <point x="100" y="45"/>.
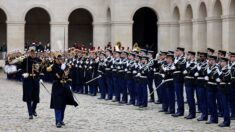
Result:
<point x="46" y="88"/>
<point x="93" y="79"/>
<point x="157" y="88"/>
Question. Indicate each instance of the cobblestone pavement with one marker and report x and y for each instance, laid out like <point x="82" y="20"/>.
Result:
<point x="91" y="115"/>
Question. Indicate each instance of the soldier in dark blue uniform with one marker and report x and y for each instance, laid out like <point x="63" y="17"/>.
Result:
<point x="122" y="74"/>
<point x="101" y="72"/>
<point x="224" y="90"/>
<point x="31" y="77"/>
<point x="157" y="75"/>
<point x="61" y="89"/>
<point x="93" y="70"/>
<point x="201" y="89"/>
<point x="232" y="94"/>
<point x="180" y="64"/>
<point x="221" y="54"/>
<point x="168" y="94"/>
<point x="211" y="77"/>
<point x="190" y="84"/>
<point x="108" y="73"/>
<point x="151" y="75"/>
<point x="129" y="77"/>
<point x="142" y="82"/>
<point x="116" y="79"/>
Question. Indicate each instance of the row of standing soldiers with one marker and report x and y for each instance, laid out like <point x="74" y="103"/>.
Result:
<point x="118" y="74"/>
<point x="125" y="77"/>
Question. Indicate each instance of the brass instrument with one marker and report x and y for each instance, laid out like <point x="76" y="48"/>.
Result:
<point x="136" y="47"/>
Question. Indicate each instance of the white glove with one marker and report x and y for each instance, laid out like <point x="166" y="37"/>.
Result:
<point x="199" y="68"/>
<point x="196" y="74"/>
<point x="138" y="75"/>
<point x="63" y="66"/>
<point x="134" y="72"/>
<point x="164" y="68"/>
<point x="218" y="80"/>
<point x="208" y="71"/>
<point x="125" y="70"/>
<point x="206" y="78"/>
<point x="185" y="72"/>
<point x="154" y="69"/>
<point x="25" y="75"/>
<point x="41" y="81"/>
<point x="90" y="67"/>
<point x="219" y="72"/>
<point x="163" y="75"/>
<point x="173" y="68"/>
<point x="112" y="66"/>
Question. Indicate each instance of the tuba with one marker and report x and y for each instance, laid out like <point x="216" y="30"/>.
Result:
<point x="136" y="47"/>
<point x="118" y="46"/>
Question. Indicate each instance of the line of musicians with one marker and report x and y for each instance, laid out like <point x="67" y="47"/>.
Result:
<point x="127" y="77"/>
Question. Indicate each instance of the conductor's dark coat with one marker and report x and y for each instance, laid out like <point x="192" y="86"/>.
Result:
<point x="61" y="94"/>
<point x="31" y="84"/>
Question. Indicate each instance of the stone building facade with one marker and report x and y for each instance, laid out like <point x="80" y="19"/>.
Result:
<point x="162" y="24"/>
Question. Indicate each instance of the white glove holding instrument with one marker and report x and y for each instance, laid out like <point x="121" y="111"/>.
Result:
<point x="25" y="75"/>
<point x="63" y="66"/>
<point x="41" y="81"/>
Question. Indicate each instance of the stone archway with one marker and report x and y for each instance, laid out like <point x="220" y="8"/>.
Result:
<point x="187" y="29"/>
<point x="80" y="28"/>
<point x="145" y="29"/>
<point x="37" y="26"/>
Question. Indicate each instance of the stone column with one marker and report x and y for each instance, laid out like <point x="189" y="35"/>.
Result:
<point x="101" y="34"/>
<point x="164" y="41"/>
<point x="174" y="35"/>
<point x="186" y="34"/>
<point x="214" y="33"/>
<point x="15" y="35"/>
<point x="228" y="42"/>
<point x="199" y="35"/>
<point x="122" y="31"/>
<point x="59" y="35"/>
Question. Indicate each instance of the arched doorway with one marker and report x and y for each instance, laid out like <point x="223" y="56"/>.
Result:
<point x="80" y="28"/>
<point x="3" y="32"/>
<point x="37" y="27"/>
<point x="175" y="29"/>
<point x="202" y="29"/>
<point x="145" y="30"/>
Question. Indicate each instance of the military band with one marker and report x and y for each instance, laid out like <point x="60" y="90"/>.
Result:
<point x="133" y="77"/>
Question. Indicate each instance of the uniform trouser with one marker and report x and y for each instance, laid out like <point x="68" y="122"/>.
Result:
<point x="202" y="101"/>
<point x="219" y="103"/>
<point x="225" y="106"/>
<point x="150" y="86"/>
<point x="109" y="81"/>
<point x="137" y="94"/>
<point x="165" y="97"/>
<point x="102" y="86"/>
<point x="59" y="115"/>
<point x="190" y="99"/>
<point x="211" y="98"/>
<point x="131" y="89"/>
<point x="86" y="89"/>
<point x="116" y="85"/>
<point x="31" y="107"/>
<point x="123" y="86"/>
<point x="170" y="95"/>
<point x="179" y="90"/>
<point x="232" y="100"/>
<point x="159" y="89"/>
<point x="80" y="88"/>
<point x="198" y="104"/>
<point x="93" y="89"/>
<point x="143" y="94"/>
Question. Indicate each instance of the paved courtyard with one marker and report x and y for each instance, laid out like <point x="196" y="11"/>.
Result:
<point x="91" y="115"/>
